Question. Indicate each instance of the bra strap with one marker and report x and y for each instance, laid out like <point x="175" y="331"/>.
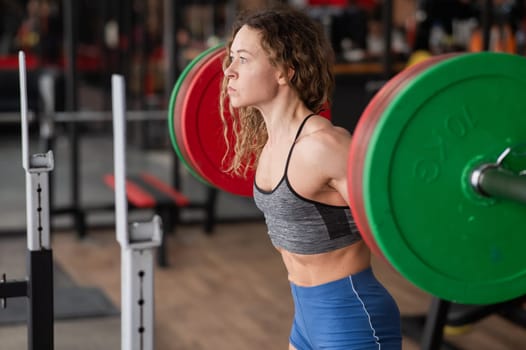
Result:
<point x="295" y="139"/>
<point x="301" y="126"/>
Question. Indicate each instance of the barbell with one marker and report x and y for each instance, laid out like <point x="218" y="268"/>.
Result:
<point x="436" y="168"/>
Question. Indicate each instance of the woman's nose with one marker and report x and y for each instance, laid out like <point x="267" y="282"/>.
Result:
<point x="229" y="71"/>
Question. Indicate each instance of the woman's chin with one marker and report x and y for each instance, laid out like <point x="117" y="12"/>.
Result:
<point x="234" y="104"/>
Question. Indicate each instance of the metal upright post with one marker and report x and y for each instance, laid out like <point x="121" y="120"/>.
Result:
<point x="137" y="241"/>
<point x="487" y="19"/>
<point x="434" y="327"/>
<point x="40" y="258"/>
<point x="387" y="20"/>
<point x="171" y="9"/>
<point x="70" y="43"/>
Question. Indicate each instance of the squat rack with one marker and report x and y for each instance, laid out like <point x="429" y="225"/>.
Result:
<point x="38" y="286"/>
<point x="137" y="243"/>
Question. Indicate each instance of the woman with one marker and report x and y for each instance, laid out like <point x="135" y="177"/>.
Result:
<point x="277" y="79"/>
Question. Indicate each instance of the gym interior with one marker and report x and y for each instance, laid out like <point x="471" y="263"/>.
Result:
<point x="213" y="278"/>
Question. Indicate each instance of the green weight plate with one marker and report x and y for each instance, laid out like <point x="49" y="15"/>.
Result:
<point x="174" y="108"/>
<point x="361" y="136"/>
<point x="423" y="213"/>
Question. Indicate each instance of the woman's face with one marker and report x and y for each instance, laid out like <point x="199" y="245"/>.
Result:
<point x="252" y="80"/>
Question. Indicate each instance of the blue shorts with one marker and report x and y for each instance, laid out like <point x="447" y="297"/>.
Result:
<point x="355" y="312"/>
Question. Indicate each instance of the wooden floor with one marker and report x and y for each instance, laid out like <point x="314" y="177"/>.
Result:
<point x="230" y="291"/>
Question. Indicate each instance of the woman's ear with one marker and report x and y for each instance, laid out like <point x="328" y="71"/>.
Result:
<point x="286" y="75"/>
<point x="291" y="72"/>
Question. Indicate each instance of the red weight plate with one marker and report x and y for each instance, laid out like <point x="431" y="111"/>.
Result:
<point x="326" y="112"/>
<point x="178" y="104"/>
<point x="360" y="142"/>
<point x="202" y="130"/>
<point x="198" y="127"/>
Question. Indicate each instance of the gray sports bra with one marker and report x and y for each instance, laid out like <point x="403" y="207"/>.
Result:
<point x="301" y="225"/>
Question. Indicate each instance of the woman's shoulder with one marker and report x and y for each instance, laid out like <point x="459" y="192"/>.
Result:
<point x="324" y="150"/>
<point x="321" y="129"/>
<point x="321" y="137"/>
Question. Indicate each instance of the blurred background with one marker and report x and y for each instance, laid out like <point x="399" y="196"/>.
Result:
<point x="151" y="41"/>
<point x="225" y="290"/>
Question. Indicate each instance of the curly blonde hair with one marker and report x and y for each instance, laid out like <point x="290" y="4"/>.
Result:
<point x="291" y="39"/>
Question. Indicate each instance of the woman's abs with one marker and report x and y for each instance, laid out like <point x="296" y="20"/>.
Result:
<point x="315" y="269"/>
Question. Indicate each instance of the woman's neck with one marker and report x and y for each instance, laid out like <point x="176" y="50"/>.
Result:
<point x="283" y="120"/>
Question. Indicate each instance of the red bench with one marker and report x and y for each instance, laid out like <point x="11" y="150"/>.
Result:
<point x="146" y="191"/>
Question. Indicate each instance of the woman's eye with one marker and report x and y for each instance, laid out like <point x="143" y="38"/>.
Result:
<point x="242" y="59"/>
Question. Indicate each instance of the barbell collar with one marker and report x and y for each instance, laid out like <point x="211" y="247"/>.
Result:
<point x="493" y="181"/>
